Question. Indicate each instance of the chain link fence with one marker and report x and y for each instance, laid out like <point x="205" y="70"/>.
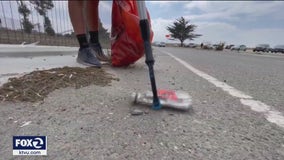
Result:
<point x="13" y="31"/>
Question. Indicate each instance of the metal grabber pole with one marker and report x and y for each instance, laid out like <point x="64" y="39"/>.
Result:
<point x="145" y="32"/>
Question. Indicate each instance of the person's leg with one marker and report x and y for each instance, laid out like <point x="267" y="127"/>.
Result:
<point x="77" y="19"/>
<point x="92" y="8"/>
<point x="85" y="54"/>
<point x="75" y="9"/>
<point x="92" y="13"/>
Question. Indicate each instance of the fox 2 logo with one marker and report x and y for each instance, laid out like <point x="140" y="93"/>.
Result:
<point x="29" y="142"/>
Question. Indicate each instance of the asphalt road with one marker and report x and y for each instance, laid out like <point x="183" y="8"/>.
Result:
<point x="237" y="112"/>
<point x="261" y="76"/>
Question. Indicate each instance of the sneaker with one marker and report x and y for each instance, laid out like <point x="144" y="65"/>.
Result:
<point x="96" y="47"/>
<point x="87" y="57"/>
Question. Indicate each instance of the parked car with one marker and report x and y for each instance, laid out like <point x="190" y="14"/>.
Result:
<point x="261" y="48"/>
<point x="219" y="47"/>
<point x="207" y="45"/>
<point x="191" y="45"/>
<point x="159" y="44"/>
<point x="162" y="44"/>
<point x="229" y="46"/>
<point x="215" y="46"/>
<point x="278" y="48"/>
<point x="239" y="48"/>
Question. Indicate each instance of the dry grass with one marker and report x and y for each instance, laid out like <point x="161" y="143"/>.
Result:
<point x="36" y="85"/>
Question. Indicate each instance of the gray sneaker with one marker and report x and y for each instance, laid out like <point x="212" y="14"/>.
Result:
<point x="87" y="57"/>
<point x="96" y="47"/>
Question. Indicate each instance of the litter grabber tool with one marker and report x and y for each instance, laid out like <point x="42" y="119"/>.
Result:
<point x="145" y="32"/>
<point x="156" y="98"/>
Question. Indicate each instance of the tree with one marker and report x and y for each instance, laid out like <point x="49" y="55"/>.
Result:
<point x="182" y="30"/>
<point x="47" y="27"/>
<point x="25" y="12"/>
<point x="42" y="7"/>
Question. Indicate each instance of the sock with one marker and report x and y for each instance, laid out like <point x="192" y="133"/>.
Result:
<point x="82" y="39"/>
<point x="94" y="37"/>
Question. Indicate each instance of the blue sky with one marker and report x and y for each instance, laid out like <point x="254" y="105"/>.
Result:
<point x="233" y="22"/>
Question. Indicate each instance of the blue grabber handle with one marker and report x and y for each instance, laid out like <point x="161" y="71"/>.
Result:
<point x="145" y="31"/>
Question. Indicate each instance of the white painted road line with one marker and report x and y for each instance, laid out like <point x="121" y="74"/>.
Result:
<point x="269" y="113"/>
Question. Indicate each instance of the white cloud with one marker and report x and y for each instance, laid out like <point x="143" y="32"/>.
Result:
<point x="159" y="28"/>
<point x="216" y="32"/>
<point x="211" y="16"/>
<point x="257" y="36"/>
<point x="162" y="3"/>
<point x="202" y="5"/>
<point x="105" y="6"/>
<point x="230" y="10"/>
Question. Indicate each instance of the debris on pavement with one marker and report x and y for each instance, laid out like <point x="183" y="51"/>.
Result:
<point x="25" y="124"/>
<point x="136" y="112"/>
<point x="35" y="86"/>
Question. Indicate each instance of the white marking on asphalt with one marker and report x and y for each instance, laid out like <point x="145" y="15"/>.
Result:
<point x="256" y="105"/>
<point x="270" y="114"/>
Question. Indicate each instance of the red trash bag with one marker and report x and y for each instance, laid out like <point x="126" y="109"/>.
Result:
<point x="127" y="45"/>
